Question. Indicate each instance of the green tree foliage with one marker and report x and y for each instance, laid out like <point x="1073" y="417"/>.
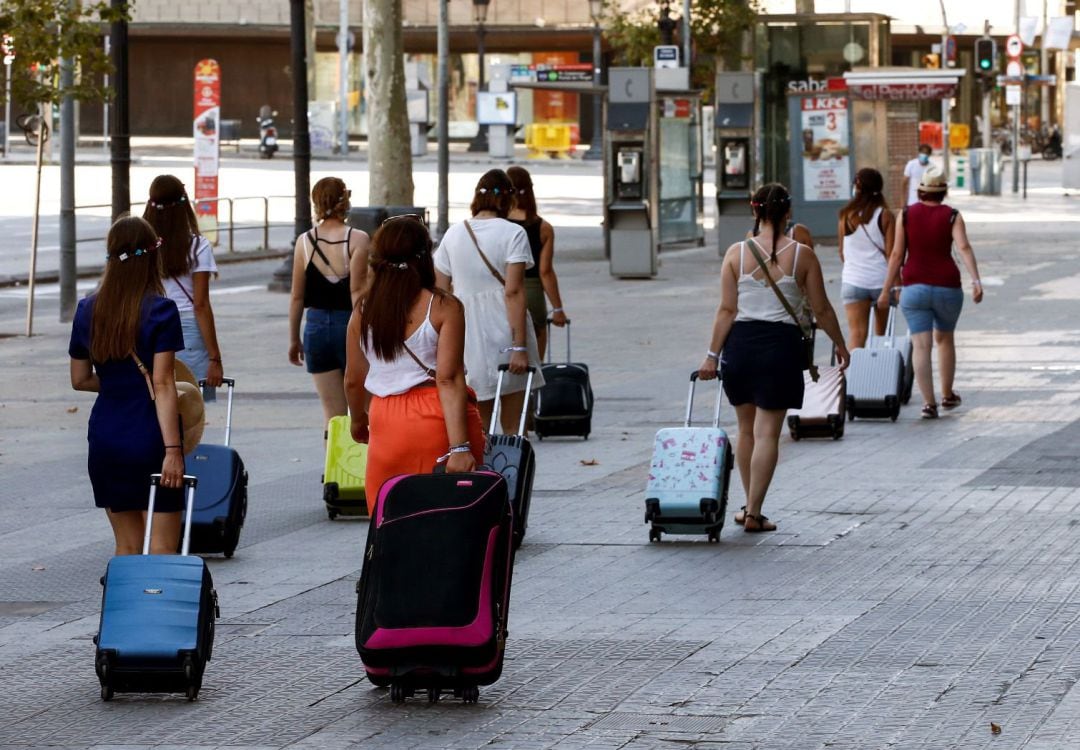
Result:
<point x="44" y="31"/>
<point x="715" y="25"/>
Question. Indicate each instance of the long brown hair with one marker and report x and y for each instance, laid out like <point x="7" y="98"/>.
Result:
<point x="401" y="267"/>
<point x="494" y="192"/>
<point x="131" y="274"/>
<point x="172" y="217"/>
<point x="524" y="197"/>
<point x="867" y="199"/>
<point x="771" y="204"/>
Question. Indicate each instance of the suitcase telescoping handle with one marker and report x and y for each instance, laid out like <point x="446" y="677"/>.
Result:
<point x="690" y="399"/>
<point x="549" y="322"/>
<point x="503" y="369"/>
<point x="890" y="326"/>
<point x="231" y="383"/>
<point x="189" y="488"/>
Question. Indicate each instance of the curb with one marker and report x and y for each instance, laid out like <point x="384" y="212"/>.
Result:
<point x="53" y="277"/>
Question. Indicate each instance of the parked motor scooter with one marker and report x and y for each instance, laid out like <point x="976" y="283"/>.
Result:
<point x="268" y="144"/>
<point x="1053" y="149"/>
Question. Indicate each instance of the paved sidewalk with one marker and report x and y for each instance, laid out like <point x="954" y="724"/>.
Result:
<point x="923" y="583"/>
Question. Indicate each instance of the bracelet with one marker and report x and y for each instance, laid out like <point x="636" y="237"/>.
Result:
<point x="555" y="310"/>
<point x="514" y="349"/>
<point x="461" y="448"/>
<point x="215" y="359"/>
<point x="713" y="355"/>
<point x="976" y="282"/>
<point x="177" y="447"/>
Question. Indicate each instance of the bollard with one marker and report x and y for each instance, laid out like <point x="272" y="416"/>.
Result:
<point x="960" y="172"/>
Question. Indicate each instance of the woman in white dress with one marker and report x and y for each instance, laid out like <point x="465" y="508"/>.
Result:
<point x="484" y="260"/>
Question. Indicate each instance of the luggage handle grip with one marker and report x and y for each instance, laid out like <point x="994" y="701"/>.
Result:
<point x="231" y="383"/>
<point x="189" y="485"/>
<point x="503" y="369"/>
<point x="690" y="399"/>
<point x="549" y="357"/>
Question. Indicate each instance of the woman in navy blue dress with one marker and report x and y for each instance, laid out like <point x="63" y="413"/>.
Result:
<point x="127" y="327"/>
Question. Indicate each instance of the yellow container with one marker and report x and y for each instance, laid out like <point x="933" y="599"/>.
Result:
<point x="548" y="139"/>
<point x="959" y="136"/>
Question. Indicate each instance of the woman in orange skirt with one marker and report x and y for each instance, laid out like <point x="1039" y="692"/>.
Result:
<point x="405" y="371"/>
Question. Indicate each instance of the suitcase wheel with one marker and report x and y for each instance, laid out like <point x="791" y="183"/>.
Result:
<point x="398" y="692"/>
<point x="433" y="694"/>
<point x="714" y="537"/>
<point x="331" y="513"/>
<point x="106" y="693"/>
<point x="470" y="694"/>
<point x="330" y="492"/>
<point x="192" y="692"/>
<point x="654" y="535"/>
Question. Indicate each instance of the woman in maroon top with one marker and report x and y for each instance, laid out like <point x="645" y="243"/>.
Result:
<point x="932" y="294"/>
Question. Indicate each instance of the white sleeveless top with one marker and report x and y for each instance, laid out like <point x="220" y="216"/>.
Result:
<point x="864" y="255"/>
<point x="757" y="300"/>
<point x="403" y="373"/>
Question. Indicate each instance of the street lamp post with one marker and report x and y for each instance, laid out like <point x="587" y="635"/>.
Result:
<point x="596" y="148"/>
<point x="480" y="9"/>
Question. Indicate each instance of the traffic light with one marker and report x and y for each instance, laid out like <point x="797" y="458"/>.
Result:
<point x="931" y="60"/>
<point x="985" y="56"/>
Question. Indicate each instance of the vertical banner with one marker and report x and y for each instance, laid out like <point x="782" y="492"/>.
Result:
<point x="825" y="148"/>
<point x="207" y="144"/>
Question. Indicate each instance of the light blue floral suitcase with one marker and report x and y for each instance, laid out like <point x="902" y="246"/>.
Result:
<point x="689" y="477"/>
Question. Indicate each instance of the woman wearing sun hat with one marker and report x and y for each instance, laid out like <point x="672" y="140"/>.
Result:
<point x="932" y="294"/>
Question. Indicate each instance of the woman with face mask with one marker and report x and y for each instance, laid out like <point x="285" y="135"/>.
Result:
<point x="913" y="172"/>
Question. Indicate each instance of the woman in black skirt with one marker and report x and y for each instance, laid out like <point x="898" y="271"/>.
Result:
<point x="758" y="345"/>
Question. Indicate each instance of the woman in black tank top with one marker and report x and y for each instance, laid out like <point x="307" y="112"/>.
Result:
<point x="540" y="280"/>
<point x="329" y="269"/>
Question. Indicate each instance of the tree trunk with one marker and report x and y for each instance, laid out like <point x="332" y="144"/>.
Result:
<point x="804" y="6"/>
<point x="389" y="152"/>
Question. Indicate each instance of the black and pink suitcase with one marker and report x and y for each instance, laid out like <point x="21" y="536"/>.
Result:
<point x="434" y="593"/>
<point x="513" y="457"/>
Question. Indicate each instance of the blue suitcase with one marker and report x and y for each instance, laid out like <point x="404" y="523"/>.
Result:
<point x="221" y="505"/>
<point x="689" y="477"/>
<point x="157" y="618"/>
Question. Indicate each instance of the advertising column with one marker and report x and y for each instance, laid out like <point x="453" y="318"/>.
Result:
<point x="820" y="158"/>
<point x="207" y="144"/>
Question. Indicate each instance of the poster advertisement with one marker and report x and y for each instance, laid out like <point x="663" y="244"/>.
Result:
<point x="825" y="148"/>
<point x="207" y="130"/>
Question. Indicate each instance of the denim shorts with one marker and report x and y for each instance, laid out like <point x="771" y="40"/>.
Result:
<point x="850" y="293"/>
<point x="324" y="340"/>
<point x="194" y="353"/>
<point x="929" y="307"/>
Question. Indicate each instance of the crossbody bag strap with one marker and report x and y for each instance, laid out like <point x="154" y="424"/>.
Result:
<point x="879" y="248"/>
<point x="145" y="374"/>
<point x="498" y="276"/>
<point x="417" y="360"/>
<point x="776" y="290"/>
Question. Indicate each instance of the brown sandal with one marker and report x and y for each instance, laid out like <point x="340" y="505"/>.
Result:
<point x="755" y="524"/>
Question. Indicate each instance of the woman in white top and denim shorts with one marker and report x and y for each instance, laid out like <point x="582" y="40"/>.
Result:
<point x="758" y="346"/>
<point x="866" y="231"/>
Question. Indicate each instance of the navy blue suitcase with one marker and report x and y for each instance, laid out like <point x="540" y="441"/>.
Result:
<point x="514" y="458"/>
<point x="221" y="505"/>
<point x="564" y="405"/>
<point x="157" y="618"/>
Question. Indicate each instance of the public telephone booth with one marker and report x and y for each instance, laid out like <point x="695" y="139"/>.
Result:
<point x="653" y="171"/>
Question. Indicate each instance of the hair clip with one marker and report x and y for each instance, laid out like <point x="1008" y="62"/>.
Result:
<point x="482" y="191"/>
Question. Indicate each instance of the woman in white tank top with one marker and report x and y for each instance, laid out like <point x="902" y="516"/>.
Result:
<point x="866" y="231"/>
<point x="759" y="346"/>
<point x="405" y="365"/>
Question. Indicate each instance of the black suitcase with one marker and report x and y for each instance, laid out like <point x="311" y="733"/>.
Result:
<point x="445" y="632"/>
<point x="564" y="404"/>
<point x="157" y="617"/>
<point x="221" y="505"/>
<point x="513" y="457"/>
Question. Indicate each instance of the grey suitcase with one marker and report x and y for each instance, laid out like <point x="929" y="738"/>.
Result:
<point x="891" y="341"/>
<point x="875" y="384"/>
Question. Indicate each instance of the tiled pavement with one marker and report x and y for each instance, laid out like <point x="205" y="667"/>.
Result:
<point x="923" y="583"/>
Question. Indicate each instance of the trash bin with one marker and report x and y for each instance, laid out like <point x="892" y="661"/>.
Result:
<point x="985" y="171"/>
<point x="366" y="218"/>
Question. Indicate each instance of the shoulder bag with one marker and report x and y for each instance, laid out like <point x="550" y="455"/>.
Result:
<point x="498" y="276"/>
<point x="807" y="336"/>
